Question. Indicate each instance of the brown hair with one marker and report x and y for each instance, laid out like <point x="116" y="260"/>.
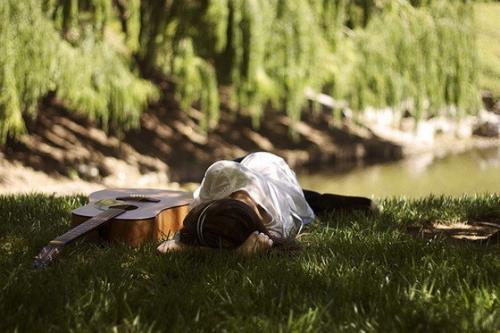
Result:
<point x="224" y="223"/>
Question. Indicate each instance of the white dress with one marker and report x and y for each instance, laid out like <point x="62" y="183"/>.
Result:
<point x="270" y="183"/>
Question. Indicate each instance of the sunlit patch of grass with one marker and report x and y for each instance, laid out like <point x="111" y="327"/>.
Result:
<point x="488" y="42"/>
<point x="355" y="273"/>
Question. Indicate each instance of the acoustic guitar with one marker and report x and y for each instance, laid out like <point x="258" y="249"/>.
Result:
<point x="131" y="216"/>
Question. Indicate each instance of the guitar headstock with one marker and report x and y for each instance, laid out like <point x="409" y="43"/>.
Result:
<point x="46" y="255"/>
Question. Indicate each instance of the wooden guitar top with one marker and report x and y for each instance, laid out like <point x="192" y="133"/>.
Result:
<point x="166" y="199"/>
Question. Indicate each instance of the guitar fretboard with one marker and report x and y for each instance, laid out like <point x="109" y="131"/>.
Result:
<point x="88" y="225"/>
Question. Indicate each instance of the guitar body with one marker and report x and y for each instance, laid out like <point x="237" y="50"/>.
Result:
<point x="151" y="221"/>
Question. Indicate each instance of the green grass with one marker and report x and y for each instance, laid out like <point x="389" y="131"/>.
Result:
<point x="488" y="41"/>
<point x="355" y="274"/>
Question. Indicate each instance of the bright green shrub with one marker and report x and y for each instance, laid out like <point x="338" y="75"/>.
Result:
<point x="89" y="74"/>
<point x="93" y="53"/>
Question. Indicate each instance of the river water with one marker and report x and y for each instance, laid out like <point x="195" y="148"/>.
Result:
<point x="476" y="171"/>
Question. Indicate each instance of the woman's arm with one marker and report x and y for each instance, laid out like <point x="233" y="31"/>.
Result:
<point x="255" y="243"/>
<point x="244" y="197"/>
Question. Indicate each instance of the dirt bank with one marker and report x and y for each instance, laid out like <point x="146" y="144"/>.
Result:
<point x="66" y="153"/>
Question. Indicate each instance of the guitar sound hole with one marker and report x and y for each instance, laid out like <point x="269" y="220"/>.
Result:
<point x="125" y="207"/>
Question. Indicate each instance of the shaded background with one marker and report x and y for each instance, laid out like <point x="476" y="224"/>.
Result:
<point x="148" y="93"/>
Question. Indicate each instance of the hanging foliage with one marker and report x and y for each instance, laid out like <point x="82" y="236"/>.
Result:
<point x="88" y="74"/>
<point x="369" y="53"/>
<point x="26" y="63"/>
<point x="196" y="82"/>
<point x="269" y="52"/>
<point x="424" y="56"/>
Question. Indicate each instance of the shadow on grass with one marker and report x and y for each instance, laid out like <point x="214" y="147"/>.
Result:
<point x="355" y="273"/>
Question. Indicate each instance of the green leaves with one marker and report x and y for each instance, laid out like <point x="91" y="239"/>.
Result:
<point x="88" y="74"/>
<point x="418" y="55"/>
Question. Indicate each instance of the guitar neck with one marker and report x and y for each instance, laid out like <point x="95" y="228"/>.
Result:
<point x="87" y="226"/>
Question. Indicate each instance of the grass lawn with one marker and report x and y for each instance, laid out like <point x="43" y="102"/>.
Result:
<point x="487" y="17"/>
<point x="355" y="274"/>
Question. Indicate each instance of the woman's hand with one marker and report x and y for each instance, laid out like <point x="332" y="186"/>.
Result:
<point x="257" y="242"/>
<point x="172" y="245"/>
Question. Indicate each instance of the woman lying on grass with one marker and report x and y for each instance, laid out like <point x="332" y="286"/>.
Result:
<point x="251" y="204"/>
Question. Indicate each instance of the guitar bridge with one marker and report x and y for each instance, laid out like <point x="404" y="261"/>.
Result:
<point x="138" y="198"/>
